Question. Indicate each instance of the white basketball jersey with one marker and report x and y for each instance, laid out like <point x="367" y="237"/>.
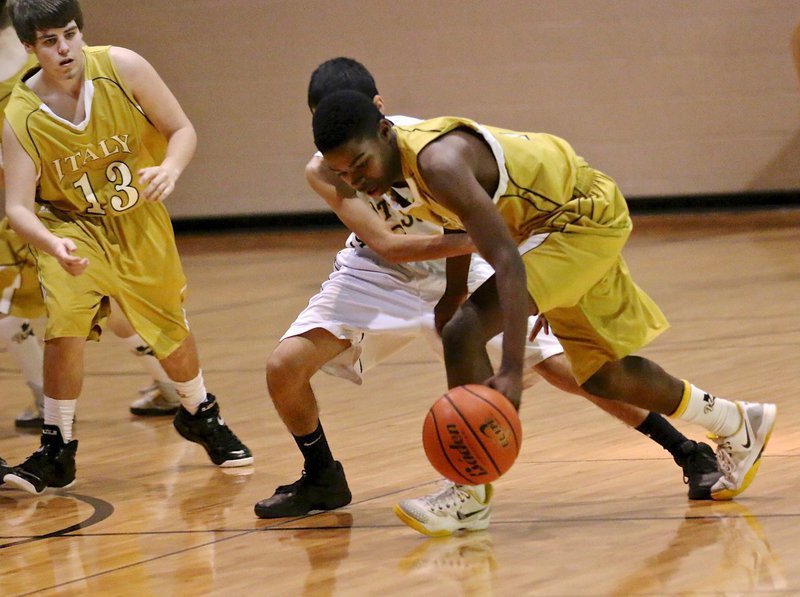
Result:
<point x="401" y="223"/>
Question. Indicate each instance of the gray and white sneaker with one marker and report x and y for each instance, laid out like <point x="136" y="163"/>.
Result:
<point x="452" y="508"/>
<point x="33" y="416"/>
<point x="157" y="400"/>
<point x="739" y="455"/>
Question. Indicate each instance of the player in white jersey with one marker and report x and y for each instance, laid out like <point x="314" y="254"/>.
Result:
<point x="370" y="307"/>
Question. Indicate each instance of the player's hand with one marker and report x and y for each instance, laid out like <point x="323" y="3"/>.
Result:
<point x="446" y="308"/>
<point x="508" y="384"/>
<point x="540" y="324"/>
<point x="64" y="250"/>
<point x="158" y="182"/>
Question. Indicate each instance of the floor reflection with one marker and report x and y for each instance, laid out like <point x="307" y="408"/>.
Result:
<point x="721" y="547"/>
<point x="466" y="559"/>
<point x="326" y="546"/>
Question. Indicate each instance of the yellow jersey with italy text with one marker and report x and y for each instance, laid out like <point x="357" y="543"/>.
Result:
<point x="90" y="168"/>
<point x="544" y="186"/>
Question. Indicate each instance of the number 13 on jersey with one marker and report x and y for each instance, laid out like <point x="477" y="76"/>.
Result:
<point x="118" y="174"/>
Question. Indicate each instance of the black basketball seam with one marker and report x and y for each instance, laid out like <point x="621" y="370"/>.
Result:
<point x="442" y="448"/>
<point x="475" y="435"/>
<point x="510" y="426"/>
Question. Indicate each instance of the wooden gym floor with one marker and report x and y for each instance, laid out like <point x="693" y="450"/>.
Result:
<point x="590" y="507"/>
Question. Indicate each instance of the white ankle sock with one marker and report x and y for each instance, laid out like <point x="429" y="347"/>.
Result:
<point x="60" y="413"/>
<point x="192" y="392"/>
<point x="17" y="335"/>
<point x="145" y="356"/>
<point x="718" y="415"/>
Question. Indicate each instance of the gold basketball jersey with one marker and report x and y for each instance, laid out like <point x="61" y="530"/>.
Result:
<point x="90" y="168"/>
<point x="543" y="185"/>
<point x="19" y="294"/>
<point x="8" y="85"/>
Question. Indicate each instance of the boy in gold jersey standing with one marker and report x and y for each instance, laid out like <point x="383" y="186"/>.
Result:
<point x="553" y="230"/>
<point x="21" y="298"/>
<point x="94" y="141"/>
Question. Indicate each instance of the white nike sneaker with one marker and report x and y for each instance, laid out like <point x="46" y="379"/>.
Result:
<point x="453" y="508"/>
<point x="739" y="455"/>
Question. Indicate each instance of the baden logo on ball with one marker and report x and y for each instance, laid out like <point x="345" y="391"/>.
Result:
<point x="472" y="434"/>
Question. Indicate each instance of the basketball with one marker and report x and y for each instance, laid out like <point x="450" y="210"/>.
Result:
<point x="472" y="434"/>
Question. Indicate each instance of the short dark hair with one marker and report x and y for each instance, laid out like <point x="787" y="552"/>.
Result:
<point x="4" y="20"/>
<point x="343" y="116"/>
<point x="337" y="74"/>
<point x="30" y="16"/>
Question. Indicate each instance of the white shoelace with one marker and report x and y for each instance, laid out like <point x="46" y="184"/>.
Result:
<point x="726" y="462"/>
<point x="450" y="497"/>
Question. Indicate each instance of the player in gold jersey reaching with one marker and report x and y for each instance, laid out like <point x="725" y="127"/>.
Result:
<point x="94" y="141"/>
<point x="553" y="230"/>
<point x="370" y="307"/>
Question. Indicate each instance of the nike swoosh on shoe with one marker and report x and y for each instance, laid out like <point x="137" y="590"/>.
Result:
<point x="748" y="443"/>
<point x="471" y="515"/>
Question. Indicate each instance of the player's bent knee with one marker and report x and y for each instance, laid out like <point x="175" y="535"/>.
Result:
<point x="461" y="332"/>
<point x="284" y="374"/>
<point x="604" y="382"/>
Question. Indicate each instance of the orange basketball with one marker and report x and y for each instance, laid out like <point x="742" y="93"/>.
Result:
<point x="472" y="434"/>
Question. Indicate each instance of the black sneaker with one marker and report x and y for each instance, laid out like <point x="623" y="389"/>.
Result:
<point x="328" y="492"/>
<point x="700" y="469"/>
<point x="3" y="470"/>
<point x="52" y="465"/>
<point x="208" y="429"/>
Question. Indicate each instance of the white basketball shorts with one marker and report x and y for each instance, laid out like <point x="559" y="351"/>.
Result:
<point x="381" y="307"/>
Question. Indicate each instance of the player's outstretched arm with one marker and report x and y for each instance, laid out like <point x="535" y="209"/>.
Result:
<point x="164" y="111"/>
<point x="361" y="219"/>
<point x="450" y="166"/>
<point x="456" y="290"/>
<point x="20" y="178"/>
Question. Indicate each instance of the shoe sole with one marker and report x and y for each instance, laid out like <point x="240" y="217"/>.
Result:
<point x="235" y="463"/>
<point x="421" y="528"/>
<point x="729" y="494"/>
<point x="153" y="412"/>
<point x="702" y="494"/>
<point x="20" y="483"/>
<point x="33" y="423"/>
<point x="28" y="423"/>
<point x="267" y="515"/>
